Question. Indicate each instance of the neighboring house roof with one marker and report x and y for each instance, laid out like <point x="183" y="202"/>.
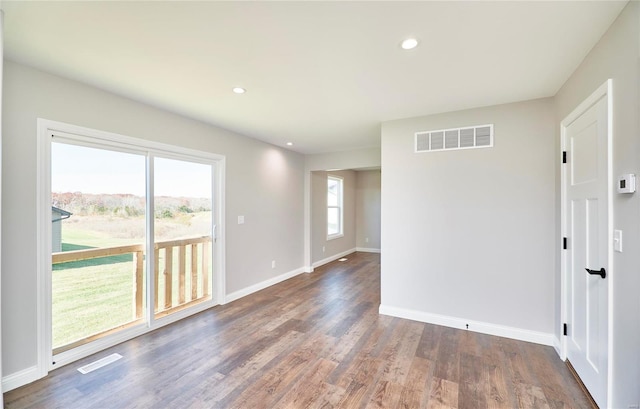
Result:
<point x="63" y="214"/>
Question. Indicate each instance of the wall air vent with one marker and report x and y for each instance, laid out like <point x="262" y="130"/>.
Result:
<point x="480" y="136"/>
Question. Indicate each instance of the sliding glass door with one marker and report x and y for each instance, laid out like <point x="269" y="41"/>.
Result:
<point x="128" y="239"/>
<point x="183" y="230"/>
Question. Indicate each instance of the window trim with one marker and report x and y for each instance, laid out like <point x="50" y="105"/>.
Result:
<point x="340" y="206"/>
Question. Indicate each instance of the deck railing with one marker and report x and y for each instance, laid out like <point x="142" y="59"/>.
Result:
<point x="192" y="257"/>
<point x="190" y="269"/>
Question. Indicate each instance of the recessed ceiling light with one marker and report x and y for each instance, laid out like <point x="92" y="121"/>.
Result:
<point x="239" y="90"/>
<point x="289" y="143"/>
<point x="409" y="44"/>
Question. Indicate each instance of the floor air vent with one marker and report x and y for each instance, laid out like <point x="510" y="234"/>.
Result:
<point x="99" y="363"/>
<point x="457" y="138"/>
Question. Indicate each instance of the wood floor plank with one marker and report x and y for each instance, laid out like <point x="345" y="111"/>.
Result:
<point x="443" y="394"/>
<point x="497" y="392"/>
<point x="415" y="393"/>
<point x="313" y="341"/>
<point x="516" y="362"/>
<point x="353" y="395"/>
<point x="429" y="341"/>
<point x="310" y="388"/>
<point x="448" y="358"/>
<point x="272" y="385"/>
<point x="469" y="342"/>
<point x="530" y="396"/>
<point x="357" y="363"/>
<point x="401" y="361"/>
<point x="550" y="373"/>
<point x="472" y="387"/>
<point x="346" y="348"/>
<point x="249" y="370"/>
<point x="385" y="395"/>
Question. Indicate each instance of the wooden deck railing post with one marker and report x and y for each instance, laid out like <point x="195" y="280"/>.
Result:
<point x="182" y="271"/>
<point x="205" y="268"/>
<point x="168" y="277"/>
<point x="194" y="271"/>
<point x="156" y="273"/>
<point x="138" y="258"/>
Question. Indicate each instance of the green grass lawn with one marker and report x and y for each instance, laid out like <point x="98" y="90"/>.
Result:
<point x="91" y="299"/>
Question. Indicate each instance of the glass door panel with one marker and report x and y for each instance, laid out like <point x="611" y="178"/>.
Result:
<point x="98" y="242"/>
<point x="183" y="234"/>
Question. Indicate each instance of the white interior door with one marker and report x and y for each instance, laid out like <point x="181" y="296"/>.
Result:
<point x="586" y="139"/>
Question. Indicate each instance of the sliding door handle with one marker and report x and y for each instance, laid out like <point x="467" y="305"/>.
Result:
<point x="602" y="272"/>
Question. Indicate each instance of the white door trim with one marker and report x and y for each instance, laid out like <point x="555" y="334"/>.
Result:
<point x="604" y="91"/>
<point x="1" y="67"/>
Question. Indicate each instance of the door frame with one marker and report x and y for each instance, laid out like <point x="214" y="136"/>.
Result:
<point x="603" y="91"/>
<point x="43" y="248"/>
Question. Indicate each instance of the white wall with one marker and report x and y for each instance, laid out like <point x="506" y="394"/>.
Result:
<point x="469" y="235"/>
<point x="368" y="185"/>
<point x="263" y="182"/>
<point x="334" y="247"/>
<point x="616" y="56"/>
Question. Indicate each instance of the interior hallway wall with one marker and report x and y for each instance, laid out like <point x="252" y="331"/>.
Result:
<point x="368" y="192"/>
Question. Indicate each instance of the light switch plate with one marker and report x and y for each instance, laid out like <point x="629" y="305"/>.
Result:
<point x="240" y="219"/>
<point x="617" y="240"/>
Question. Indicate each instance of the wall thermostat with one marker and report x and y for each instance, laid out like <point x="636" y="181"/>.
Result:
<point x="627" y="183"/>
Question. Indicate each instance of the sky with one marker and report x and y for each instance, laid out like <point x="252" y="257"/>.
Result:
<point x="98" y="171"/>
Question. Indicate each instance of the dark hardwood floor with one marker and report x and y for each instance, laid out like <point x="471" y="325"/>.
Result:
<point x="315" y="340"/>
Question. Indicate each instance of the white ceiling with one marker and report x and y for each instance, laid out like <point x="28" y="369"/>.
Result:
<point x="323" y="75"/>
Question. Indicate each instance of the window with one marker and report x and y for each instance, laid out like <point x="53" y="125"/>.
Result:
<point x="334" y="207"/>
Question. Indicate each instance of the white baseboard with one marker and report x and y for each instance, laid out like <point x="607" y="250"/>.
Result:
<point x="333" y="258"/>
<point x="20" y="378"/>
<point x="476" y="326"/>
<point x="367" y="250"/>
<point x="307" y="269"/>
<point x="557" y="345"/>
<point x="262" y="285"/>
